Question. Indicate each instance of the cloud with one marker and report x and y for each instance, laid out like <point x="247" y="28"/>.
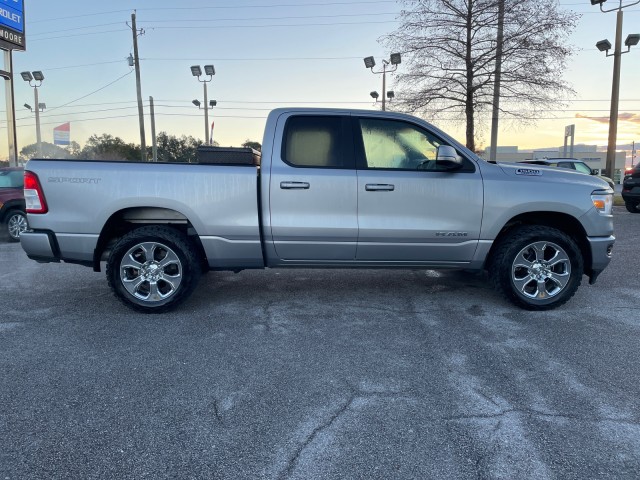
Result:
<point x="622" y="117"/>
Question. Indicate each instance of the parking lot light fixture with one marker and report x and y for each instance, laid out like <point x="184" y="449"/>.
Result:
<point x="213" y="103"/>
<point x="603" y="45"/>
<point x="390" y="95"/>
<point x="35" y="79"/>
<point x="210" y="71"/>
<point x="597" y="2"/>
<point x="27" y="106"/>
<point x="196" y="103"/>
<point x="394" y="60"/>
<point x="374" y="95"/>
<point x="632" y="40"/>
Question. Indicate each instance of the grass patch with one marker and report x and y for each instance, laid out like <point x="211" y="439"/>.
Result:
<point x="618" y="200"/>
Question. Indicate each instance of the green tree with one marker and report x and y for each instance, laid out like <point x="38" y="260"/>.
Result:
<point x="49" y="150"/>
<point x="108" y="147"/>
<point x="177" y="149"/>
<point x="251" y="144"/>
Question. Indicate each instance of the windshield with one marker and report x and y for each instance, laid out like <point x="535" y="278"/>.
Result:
<point x="11" y="179"/>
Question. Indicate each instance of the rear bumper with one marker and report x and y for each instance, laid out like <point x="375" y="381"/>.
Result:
<point x="40" y="246"/>
<point x="631" y="195"/>
<point x="601" y="251"/>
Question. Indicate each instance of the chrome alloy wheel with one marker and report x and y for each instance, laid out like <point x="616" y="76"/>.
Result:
<point x="16" y="224"/>
<point x="151" y="271"/>
<point x="541" y="270"/>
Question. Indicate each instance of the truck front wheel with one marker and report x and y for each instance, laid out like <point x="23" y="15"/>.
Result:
<point x="153" y="269"/>
<point x="537" y="267"/>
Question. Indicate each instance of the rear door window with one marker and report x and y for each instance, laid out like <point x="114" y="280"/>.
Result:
<point x="317" y="141"/>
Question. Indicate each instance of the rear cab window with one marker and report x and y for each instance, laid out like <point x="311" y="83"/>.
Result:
<point x="317" y="141"/>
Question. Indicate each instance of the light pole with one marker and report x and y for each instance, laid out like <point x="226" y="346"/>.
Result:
<point x="210" y="71"/>
<point x="605" y="46"/>
<point x="369" y="62"/>
<point x="35" y="80"/>
<point x="212" y="103"/>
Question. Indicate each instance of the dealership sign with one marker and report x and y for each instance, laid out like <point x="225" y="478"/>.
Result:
<point x="12" y="25"/>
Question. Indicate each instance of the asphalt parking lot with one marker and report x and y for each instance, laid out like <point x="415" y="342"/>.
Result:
<point x="319" y="374"/>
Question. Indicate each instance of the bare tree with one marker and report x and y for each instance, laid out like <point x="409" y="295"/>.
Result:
<point x="449" y="47"/>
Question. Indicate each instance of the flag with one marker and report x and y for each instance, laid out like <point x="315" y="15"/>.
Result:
<point x="62" y="134"/>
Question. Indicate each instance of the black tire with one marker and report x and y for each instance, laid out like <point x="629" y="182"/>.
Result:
<point x="632" y="207"/>
<point x="153" y="269"/>
<point x="521" y="267"/>
<point x="16" y="222"/>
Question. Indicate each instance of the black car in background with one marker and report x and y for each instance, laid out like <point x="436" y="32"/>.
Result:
<point x="631" y="190"/>
<point x="13" y="215"/>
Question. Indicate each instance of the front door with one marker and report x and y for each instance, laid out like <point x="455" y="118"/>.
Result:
<point x="409" y="208"/>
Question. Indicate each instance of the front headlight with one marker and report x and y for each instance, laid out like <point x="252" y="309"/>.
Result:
<point x="602" y="201"/>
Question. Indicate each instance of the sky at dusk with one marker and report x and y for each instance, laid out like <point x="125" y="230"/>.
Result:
<point x="267" y="54"/>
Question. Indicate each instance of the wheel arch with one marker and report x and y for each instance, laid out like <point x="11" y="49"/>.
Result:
<point x="10" y="206"/>
<point x="561" y="221"/>
<point x="127" y="219"/>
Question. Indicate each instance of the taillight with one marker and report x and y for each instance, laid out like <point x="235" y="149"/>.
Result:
<point x="33" y="195"/>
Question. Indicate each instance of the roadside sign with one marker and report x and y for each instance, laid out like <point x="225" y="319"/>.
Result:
<point x="12" y="26"/>
<point x="62" y="134"/>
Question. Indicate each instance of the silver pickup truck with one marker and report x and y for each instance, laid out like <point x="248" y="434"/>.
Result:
<point x="333" y="188"/>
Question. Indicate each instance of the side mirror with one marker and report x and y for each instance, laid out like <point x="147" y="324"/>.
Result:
<point x="447" y="158"/>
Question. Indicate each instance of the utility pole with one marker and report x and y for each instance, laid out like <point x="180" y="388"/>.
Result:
<point x="615" y="99"/>
<point x="605" y="46"/>
<point x="136" y="62"/>
<point x="7" y="75"/>
<point x="496" y="83"/>
<point x="154" y="148"/>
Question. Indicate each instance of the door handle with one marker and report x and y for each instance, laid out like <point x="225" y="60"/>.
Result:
<point x="294" y="185"/>
<point x="379" y="187"/>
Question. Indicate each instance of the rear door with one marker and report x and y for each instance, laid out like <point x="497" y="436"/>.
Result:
<point x="313" y="189"/>
<point x="409" y="209"/>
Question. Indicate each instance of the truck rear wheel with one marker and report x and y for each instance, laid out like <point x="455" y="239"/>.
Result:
<point x="537" y="267"/>
<point x="16" y="224"/>
<point x="153" y="269"/>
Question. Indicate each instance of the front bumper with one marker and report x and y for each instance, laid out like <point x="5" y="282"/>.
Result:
<point x="601" y="251"/>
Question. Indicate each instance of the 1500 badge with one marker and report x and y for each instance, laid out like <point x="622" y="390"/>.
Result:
<point x="534" y="172"/>
<point x="451" y="234"/>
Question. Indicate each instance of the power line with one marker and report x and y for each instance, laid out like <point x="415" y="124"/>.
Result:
<point x="79" y="35"/>
<point x="228" y="7"/>
<point x="31" y="34"/>
<point x="150" y="22"/>
<point x="95" y="91"/>
<point x="332" y="24"/>
<point x="83" y="65"/>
